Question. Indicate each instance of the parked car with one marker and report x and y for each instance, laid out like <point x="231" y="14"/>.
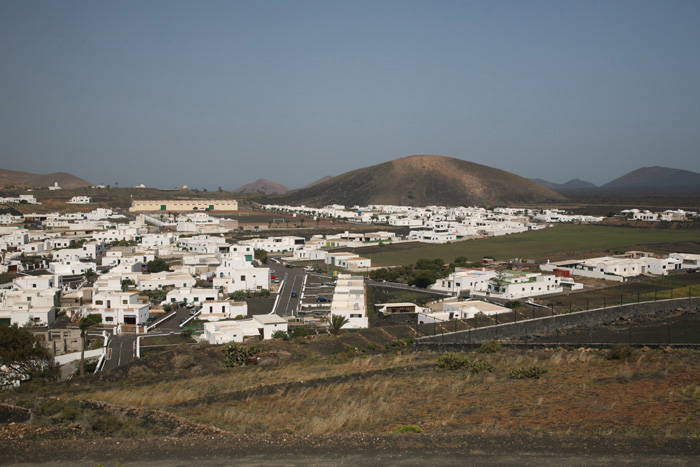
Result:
<point x="322" y="299"/>
<point x="190" y="305"/>
<point x="151" y="319"/>
<point x="276" y="281"/>
<point x="294" y="294"/>
<point x="290" y="266"/>
<point x="273" y="276"/>
<point x="182" y="320"/>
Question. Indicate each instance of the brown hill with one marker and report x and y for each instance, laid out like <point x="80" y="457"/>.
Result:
<point x="320" y="180"/>
<point x="422" y="181"/>
<point x="12" y="178"/>
<point x="655" y="177"/>
<point x="262" y="185"/>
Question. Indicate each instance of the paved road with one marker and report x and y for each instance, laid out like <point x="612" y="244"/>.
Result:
<point x="293" y="279"/>
<point x="120" y="350"/>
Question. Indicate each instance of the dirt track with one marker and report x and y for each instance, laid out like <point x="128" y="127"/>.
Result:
<point x="354" y="449"/>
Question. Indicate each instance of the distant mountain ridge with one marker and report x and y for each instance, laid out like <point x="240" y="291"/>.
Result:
<point x="656" y="177"/>
<point x="262" y="185"/>
<point x="573" y="183"/>
<point x="13" y="178"/>
<point x="422" y="181"/>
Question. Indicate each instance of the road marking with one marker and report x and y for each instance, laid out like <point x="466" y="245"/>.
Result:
<point x="120" y="353"/>
<point x="108" y="355"/>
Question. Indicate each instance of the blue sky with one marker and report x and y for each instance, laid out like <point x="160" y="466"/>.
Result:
<point x="214" y="94"/>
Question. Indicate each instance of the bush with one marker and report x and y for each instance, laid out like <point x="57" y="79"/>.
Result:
<point x="533" y="372"/>
<point x="302" y="332"/>
<point x="619" y="352"/>
<point x="70" y="410"/>
<point x="454" y="361"/>
<point x="281" y="335"/>
<point x="407" y="429"/>
<point x="237" y="355"/>
<point x="490" y="347"/>
<point x="460" y="361"/>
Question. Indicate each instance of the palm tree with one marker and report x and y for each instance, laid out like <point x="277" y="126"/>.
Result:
<point x="90" y="274"/>
<point x="337" y="322"/>
<point x="84" y="324"/>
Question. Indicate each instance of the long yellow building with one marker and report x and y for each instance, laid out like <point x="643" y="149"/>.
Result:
<point x="183" y="205"/>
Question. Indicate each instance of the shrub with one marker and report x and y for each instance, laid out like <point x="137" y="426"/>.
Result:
<point x="478" y="367"/>
<point x="619" y="352"/>
<point x="237" y="355"/>
<point x="407" y="429"/>
<point x="490" y="347"/>
<point x="281" y="335"/>
<point x="70" y="410"/>
<point x="522" y="372"/>
<point x="454" y="361"/>
<point x="302" y="332"/>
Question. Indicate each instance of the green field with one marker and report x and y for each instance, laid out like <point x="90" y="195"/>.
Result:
<point x="561" y="239"/>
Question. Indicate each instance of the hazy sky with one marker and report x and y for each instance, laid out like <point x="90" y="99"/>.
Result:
<point x="211" y="94"/>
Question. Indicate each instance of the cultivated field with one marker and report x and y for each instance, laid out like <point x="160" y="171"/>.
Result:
<point x="571" y="240"/>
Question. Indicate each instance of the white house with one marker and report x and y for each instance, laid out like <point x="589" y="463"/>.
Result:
<point x="160" y="280"/>
<point x="688" y="261"/>
<point x="34" y="307"/>
<point x="192" y="295"/>
<point x="347" y="260"/>
<point x="349" y="301"/>
<point x="465" y="280"/>
<point x="80" y="200"/>
<point x="461" y="310"/>
<point x="259" y="326"/>
<point x="518" y="284"/>
<point x="219" y="310"/>
<point x="118" y="308"/>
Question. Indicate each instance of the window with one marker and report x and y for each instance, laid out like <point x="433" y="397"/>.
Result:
<point x="242" y="278"/>
<point x="99" y="302"/>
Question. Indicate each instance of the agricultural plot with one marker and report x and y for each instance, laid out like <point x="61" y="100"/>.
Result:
<point x="573" y="240"/>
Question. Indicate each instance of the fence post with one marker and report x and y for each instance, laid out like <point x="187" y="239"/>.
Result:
<point x="629" y="335"/>
<point x="671" y="293"/>
<point x="586" y="304"/>
<point x="668" y="332"/>
<point x="655" y="289"/>
<point x="552" y="307"/>
<point x="637" y="296"/>
<point x="620" y="299"/>
<point x="603" y="301"/>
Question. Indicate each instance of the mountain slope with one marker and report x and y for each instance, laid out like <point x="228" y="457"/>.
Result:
<point x="12" y="178"/>
<point x="422" y="181"/>
<point x="656" y="177"/>
<point x="573" y="183"/>
<point x="320" y="180"/>
<point x="264" y="186"/>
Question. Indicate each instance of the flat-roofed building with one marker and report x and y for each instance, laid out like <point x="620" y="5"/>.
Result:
<point x="184" y="205"/>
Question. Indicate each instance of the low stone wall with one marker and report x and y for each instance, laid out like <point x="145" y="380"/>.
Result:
<point x="551" y="324"/>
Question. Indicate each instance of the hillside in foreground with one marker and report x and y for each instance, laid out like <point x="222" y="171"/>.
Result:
<point x="353" y="391"/>
<point x="423" y="181"/>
